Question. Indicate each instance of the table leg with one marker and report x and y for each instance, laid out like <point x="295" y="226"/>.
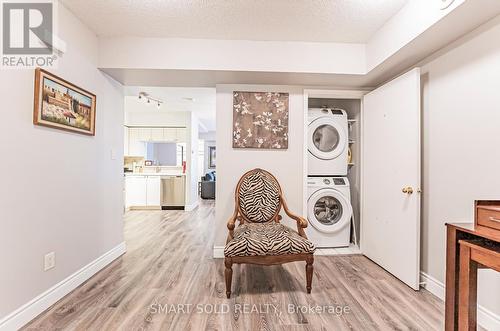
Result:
<point x="467" y="311"/>
<point x="451" y="302"/>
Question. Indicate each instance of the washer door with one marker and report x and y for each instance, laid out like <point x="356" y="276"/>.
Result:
<point x="328" y="210"/>
<point x="326" y="138"/>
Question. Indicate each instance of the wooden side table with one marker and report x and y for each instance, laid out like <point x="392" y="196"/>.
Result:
<point x="456" y="232"/>
<point x="474" y="254"/>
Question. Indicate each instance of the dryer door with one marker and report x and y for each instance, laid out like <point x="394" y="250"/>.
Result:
<point x="326" y="138"/>
<point x="328" y="210"/>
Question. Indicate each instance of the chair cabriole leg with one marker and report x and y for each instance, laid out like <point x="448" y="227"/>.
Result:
<point x="229" y="275"/>
<point x="309" y="272"/>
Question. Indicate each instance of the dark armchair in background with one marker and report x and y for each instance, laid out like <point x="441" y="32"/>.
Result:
<point x="208" y="186"/>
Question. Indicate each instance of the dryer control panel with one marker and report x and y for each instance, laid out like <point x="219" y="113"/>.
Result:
<point x="336" y="181"/>
<point x="339" y="181"/>
<point x="327" y="181"/>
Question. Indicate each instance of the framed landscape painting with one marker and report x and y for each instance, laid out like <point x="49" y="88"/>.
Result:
<point x="62" y="105"/>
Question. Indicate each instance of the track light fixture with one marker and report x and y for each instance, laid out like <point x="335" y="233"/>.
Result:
<point x="145" y="96"/>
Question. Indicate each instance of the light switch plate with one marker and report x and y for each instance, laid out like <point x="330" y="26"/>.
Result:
<point x="49" y="261"/>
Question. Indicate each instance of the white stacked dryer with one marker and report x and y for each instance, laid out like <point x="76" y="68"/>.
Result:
<point x="328" y="142"/>
<point x="329" y="211"/>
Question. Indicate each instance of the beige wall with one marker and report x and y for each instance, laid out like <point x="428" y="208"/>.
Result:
<point x="286" y="165"/>
<point x="192" y="163"/>
<point x="59" y="191"/>
<point x="461" y="141"/>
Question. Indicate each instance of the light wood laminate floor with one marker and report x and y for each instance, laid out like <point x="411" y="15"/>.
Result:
<point x="169" y="262"/>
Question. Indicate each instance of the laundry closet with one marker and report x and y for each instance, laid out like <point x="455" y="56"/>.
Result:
<point x="362" y="157"/>
<point x="333" y="152"/>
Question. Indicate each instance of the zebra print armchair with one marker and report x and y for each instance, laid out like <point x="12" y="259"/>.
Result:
<point x="260" y="238"/>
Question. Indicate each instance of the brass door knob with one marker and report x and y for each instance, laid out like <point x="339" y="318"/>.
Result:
<point x="408" y="190"/>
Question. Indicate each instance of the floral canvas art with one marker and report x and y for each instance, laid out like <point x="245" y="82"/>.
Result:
<point x="260" y="120"/>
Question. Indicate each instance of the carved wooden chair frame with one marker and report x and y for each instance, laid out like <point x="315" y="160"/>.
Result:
<point x="266" y="259"/>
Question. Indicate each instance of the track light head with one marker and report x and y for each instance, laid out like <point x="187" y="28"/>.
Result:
<point x="143" y="96"/>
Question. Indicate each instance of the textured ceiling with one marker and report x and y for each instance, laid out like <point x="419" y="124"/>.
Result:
<point x="352" y="21"/>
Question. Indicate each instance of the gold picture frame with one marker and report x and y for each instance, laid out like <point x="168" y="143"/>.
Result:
<point x="62" y="105"/>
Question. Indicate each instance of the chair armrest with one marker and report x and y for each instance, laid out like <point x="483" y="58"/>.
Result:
<point x="301" y="221"/>
<point x="231" y="223"/>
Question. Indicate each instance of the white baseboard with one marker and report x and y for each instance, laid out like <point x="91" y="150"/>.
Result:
<point x="33" y="308"/>
<point x="191" y="207"/>
<point x="485" y="318"/>
<point x="488" y="319"/>
<point x="351" y="250"/>
<point x="218" y="252"/>
<point x="432" y="285"/>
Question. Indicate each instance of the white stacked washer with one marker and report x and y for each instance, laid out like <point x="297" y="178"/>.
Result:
<point x="329" y="211"/>
<point x="328" y="142"/>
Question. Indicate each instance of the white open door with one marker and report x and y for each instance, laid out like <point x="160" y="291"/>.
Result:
<point x="390" y="228"/>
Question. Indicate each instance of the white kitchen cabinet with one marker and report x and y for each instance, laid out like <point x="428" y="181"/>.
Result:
<point x="142" y="191"/>
<point x="135" y="191"/>
<point x="137" y="138"/>
<point x="136" y="147"/>
<point x="169" y="134"/>
<point x="153" y="191"/>
<point x="174" y="135"/>
<point x="181" y="134"/>
<point x="133" y="134"/>
<point x="144" y="134"/>
<point x="157" y="135"/>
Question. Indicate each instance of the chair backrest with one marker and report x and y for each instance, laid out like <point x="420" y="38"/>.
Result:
<point x="258" y="195"/>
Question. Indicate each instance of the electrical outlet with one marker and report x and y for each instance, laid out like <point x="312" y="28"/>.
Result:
<point x="49" y="261"/>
